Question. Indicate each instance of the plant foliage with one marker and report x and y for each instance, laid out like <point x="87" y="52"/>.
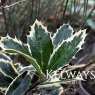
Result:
<point x="43" y="51"/>
<point x="11" y="81"/>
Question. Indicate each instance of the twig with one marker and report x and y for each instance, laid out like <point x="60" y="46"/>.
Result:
<point x="87" y="17"/>
<point x="79" y="10"/>
<point x="3" y="11"/>
<point x="86" y="5"/>
<point x="89" y="66"/>
<point x="39" y="9"/>
<point x="65" y="10"/>
<point x="8" y="6"/>
<point x="74" y="8"/>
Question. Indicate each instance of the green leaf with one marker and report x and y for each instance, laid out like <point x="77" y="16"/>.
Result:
<point x="63" y="33"/>
<point x="66" y="50"/>
<point x="31" y="61"/>
<point x="40" y="44"/>
<point x="19" y="85"/>
<point x="8" y="68"/>
<point x="4" y="80"/>
<point x="13" y="46"/>
<point x="45" y="52"/>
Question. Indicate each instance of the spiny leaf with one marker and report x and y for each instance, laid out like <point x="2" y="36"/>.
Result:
<point x="8" y="68"/>
<point x="31" y="61"/>
<point x="15" y="44"/>
<point x="40" y="44"/>
<point x="4" y="80"/>
<point x="19" y="85"/>
<point x="12" y="46"/>
<point x="63" y="33"/>
<point x="66" y="50"/>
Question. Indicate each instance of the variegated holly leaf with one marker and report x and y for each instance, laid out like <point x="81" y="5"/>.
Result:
<point x="4" y="80"/>
<point x="40" y="44"/>
<point x="66" y="50"/>
<point x="19" y="85"/>
<point x="13" y="46"/>
<point x="8" y="43"/>
<point x="8" y="68"/>
<point x="63" y="33"/>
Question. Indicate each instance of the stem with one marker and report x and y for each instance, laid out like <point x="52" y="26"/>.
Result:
<point x="87" y="17"/>
<point x="11" y="5"/>
<point x="39" y="9"/>
<point x="57" y="12"/>
<point x="71" y="7"/>
<point x="9" y="19"/>
<point x="86" y="5"/>
<point x="85" y="8"/>
<point x="36" y="9"/>
<point x="74" y="7"/>
<point x="65" y="10"/>
<point x="3" y="11"/>
<point x="79" y="10"/>
<point x="31" y="14"/>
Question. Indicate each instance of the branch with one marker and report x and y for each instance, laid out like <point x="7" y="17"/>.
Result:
<point x="8" y="6"/>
